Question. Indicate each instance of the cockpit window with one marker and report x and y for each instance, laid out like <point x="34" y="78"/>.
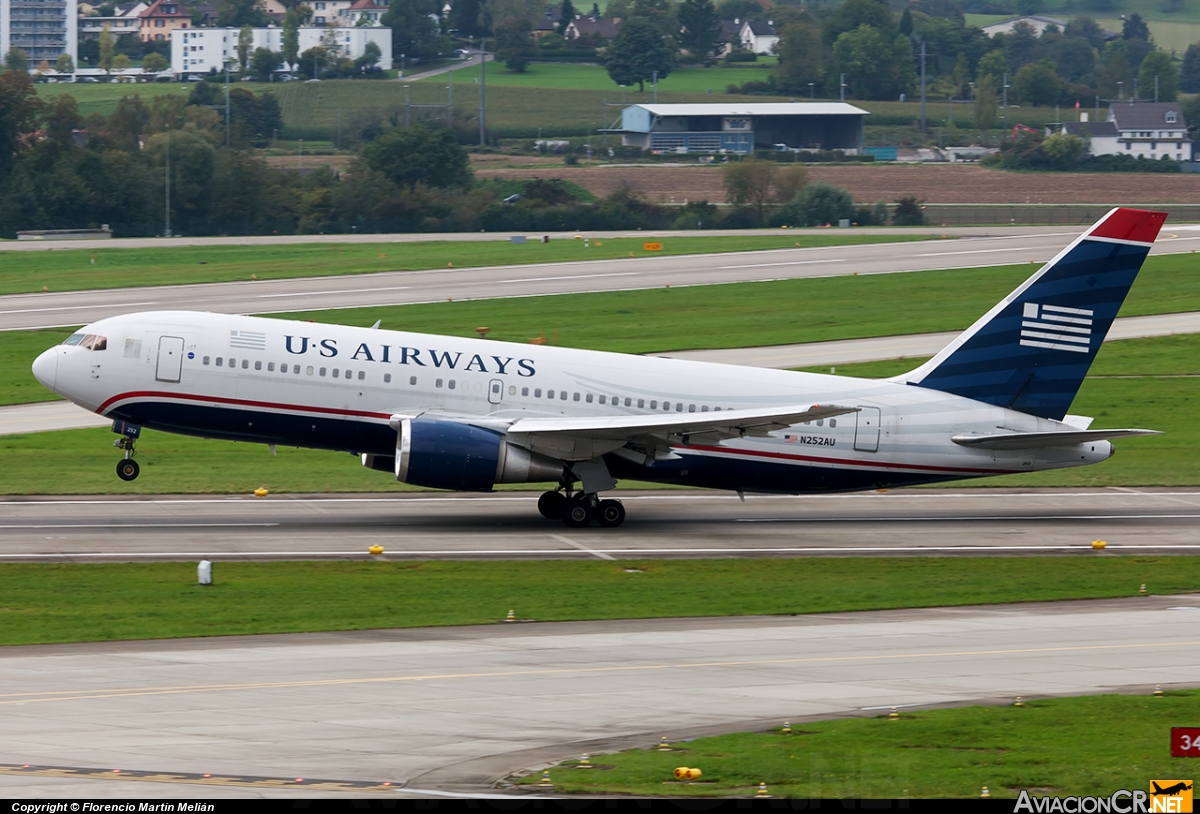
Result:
<point x="89" y="341"/>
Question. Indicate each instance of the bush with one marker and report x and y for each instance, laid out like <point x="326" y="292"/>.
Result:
<point x="816" y="205"/>
<point x="909" y="212"/>
<point x="696" y="215"/>
<point x="740" y="56"/>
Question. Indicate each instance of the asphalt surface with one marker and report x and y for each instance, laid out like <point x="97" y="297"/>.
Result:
<point x="662" y="524"/>
<point x="394" y="288"/>
<point x="458" y="708"/>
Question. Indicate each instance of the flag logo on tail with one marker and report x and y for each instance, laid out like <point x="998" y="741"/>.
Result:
<point x="1056" y="327"/>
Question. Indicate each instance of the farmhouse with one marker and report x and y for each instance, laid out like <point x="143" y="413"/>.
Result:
<point x="1144" y="130"/>
<point x="743" y="128"/>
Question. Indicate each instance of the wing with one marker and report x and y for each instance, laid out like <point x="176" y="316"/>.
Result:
<point x="579" y="439"/>
<point x="1038" y="440"/>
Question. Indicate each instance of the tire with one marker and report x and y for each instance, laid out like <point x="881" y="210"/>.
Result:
<point x="552" y="504"/>
<point x="128" y="469"/>
<point x="578" y="513"/>
<point x="611" y="514"/>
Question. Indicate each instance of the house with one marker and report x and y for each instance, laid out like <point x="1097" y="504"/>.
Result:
<point x="362" y="12"/>
<point x="759" y="36"/>
<point x="1034" y="21"/>
<point x="548" y="23"/>
<point x="1150" y="130"/>
<point x="162" y="18"/>
<point x="124" y="20"/>
<point x="729" y="36"/>
<point x="593" y="29"/>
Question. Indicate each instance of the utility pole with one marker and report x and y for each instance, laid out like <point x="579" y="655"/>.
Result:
<point x="339" y="128"/>
<point x="1005" y="118"/>
<point x="655" y="86"/>
<point x="482" y="91"/>
<point x="843" y="88"/>
<point x="924" y="126"/>
<point x="1156" y="89"/>
<point x="227" y="101"/>
<point x="167" y="207"/>
<point x="406" y="107"/>
<point x="1097" y="107"/>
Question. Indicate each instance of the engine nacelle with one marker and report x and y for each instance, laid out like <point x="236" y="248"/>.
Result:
<point x="450" y="455"/>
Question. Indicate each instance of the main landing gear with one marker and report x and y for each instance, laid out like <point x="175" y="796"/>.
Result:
<point x="579" y="510"/>
<point x="127" y="468"/>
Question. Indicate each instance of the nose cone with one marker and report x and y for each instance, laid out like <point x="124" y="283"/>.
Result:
<point x="45" y="368"/>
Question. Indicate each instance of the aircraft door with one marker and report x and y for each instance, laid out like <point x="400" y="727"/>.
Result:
<point x="170" y="359"/>
<point x="866" y="431"/>
<point x="495" y="391"/>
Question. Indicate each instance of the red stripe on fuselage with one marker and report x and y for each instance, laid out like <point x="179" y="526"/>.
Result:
<point x="759" y="453"/>
<point x="267" y="405"/>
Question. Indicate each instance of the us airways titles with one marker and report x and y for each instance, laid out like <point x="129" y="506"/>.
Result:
<point x="401" y="355"/>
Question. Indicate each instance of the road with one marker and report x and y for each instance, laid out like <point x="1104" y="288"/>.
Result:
<point x="459" y="708"/>
<point x="394" y="288"/>
<point x="665" y="524"/>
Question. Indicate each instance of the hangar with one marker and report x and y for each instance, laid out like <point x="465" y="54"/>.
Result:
<point x="743" y="128"/>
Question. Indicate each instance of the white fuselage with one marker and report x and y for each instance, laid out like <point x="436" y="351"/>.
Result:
<point x="337" y="387"/>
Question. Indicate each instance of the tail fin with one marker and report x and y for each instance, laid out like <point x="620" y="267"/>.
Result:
<point x="1032" y="351"/>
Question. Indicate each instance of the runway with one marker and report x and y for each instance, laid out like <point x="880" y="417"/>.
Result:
<point x="458" y="708"/>
<point x="24" y="311"/>
<point x="662" y="524"/>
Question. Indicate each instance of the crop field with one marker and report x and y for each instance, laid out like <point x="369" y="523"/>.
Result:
<point x="1089" y="745"/>
<point x="868" y="183"/>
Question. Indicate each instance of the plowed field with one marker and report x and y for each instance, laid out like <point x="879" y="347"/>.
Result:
<point x="936" y="183"/>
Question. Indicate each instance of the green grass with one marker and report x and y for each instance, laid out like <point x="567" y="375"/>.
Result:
<point x="82" y="461"/>
<point x="78" y="269"/>
<point x="595" y="78"/>
<point x="103" y="98"/>
<point x="57" y="603"/>
<point x="1091" y="745"/>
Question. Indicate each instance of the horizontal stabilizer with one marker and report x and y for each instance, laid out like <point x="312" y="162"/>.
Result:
<point x="1039" y="440"/>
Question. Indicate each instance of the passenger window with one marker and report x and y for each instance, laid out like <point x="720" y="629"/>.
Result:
<point x="512" y="391"/>
<point x="549" y="394"/>
<point x="577" y="397"/>
<point x="537" y="394"/>
<point x="258" y="365"/>
<point x="691" y="408"/>
<point x="206" y="360"/>
<point x="524" y="391"/>
<point x="220" y="361"/>
<point x="562" y="395"/>
<point x="412" y="380"/>
<point x="437" y="383"/>
<point x="233" y="362"/>
<point x="349" y="374"/>
<point x="679" y="406"/>
<point x="833" y="422"/>
<point x="704" y="409"/>
<point x="641" y="403"/>
<point x="451" y="384"/>
<point x="666" y="406"/>
<point x="245" y="364"/>
<point x="309" y="370"/>
<point x="820" y="422"/>
<point x="271" y="366"/>
<point x="716" y="409"/>
<point x="601" y="399"/>
<point x="653" y="404"/>
<point x="321" y="372"/>
<point x="387" y="378"/>
<point x="362" y="374"/>
<point x="336" y="372"/>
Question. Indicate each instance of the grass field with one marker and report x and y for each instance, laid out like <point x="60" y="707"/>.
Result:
<point x="596" y="78"/>
<point x="79" y="269"/>
<point x="57" y="603"/>
<point x="1127" y="394"/>
<point x="1092" y="745"/>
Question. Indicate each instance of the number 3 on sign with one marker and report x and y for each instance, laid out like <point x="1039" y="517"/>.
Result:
<point x="1185" y="741"/>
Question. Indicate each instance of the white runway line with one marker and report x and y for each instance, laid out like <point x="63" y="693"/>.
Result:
<point x="572" y="277"/>
<point x="582" y="547"/>
<point x="983" y="251"/>
<point x="75" y="307"/>
<point x="790" y="263"/>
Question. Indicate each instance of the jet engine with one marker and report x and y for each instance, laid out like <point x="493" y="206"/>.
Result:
<point x="449" y="455"/>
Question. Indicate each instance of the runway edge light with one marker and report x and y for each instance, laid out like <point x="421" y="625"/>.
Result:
<point x="762" y="790"/>
<point x="663" y="746"/>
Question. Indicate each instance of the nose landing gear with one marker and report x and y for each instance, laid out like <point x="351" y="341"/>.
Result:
<point x="127" y="469"/>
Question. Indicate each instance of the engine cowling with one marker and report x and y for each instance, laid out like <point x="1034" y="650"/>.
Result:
<point x="449" y="455"/>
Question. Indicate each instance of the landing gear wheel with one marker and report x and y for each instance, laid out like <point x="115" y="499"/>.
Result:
<point x="579" y="513"/>
<point x="610" y="514"/>
<point x="552" y="505"/>
<point x="128" y="469"/>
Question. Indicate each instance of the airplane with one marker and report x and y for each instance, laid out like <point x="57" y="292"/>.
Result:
<point x="1170" y="791"/>
<point x="465" y="414"/>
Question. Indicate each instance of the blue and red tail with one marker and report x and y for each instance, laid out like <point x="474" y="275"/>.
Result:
<point x="1032" y="351"/>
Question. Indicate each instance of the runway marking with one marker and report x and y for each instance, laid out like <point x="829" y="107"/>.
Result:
<point x="141" y="692"/>
<point x="572" y="277"/>
<point x="196" y="778"/>
<point x="603" y="553"/>
<point x="333" y="291"/>
<point x="77" y="307"/>
<point x="582" y="547"/>
<point x="789" y="263"/>
<point x="983" y="251"/>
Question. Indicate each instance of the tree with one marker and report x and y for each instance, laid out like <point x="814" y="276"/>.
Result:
<point x="1086" y="28"/>
<point x="237" y="13"/>
<point x="906" y="22"/>
<point x="1064" y="151"/>
<point x="637" y="52"/>
<point x="412" y="156"/>
<point x="264" y="62"/>
<point x="994" y="65"/>
<point x="291" y="37"/>
<point x="801" y="58"/>
<point x="1135" y="28"/>
<point x="818" y="204"/>
<point x="1037" y="83"/>
<point x="853" y="14"/>
<point x="370" y="57"/>
<point x="466" y="17"/>
<point x="121" y="62"/>
<point x="16" y="60"/>
<point x="1189" y="74"/>
<point x="107" y="45"/>
<point x="154" y="62"/>
<point x="735" y="10"/>
<point x="415" y="28"/>
<point x="909" y="212"/>
<point x="64" y="64"/>
<point x="1115" y="77"/>
<point x="566" y="16"/>
<point x="245" y="42"/>
<point x="19" y="111"/>
<point x="875" y="67"/>
<point x="987" y="107"/>
<point x="1158" y="65"/>
<point x="514" y="45"/>
<point x="700" y="25"/>
<point x="750" y="182"/>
